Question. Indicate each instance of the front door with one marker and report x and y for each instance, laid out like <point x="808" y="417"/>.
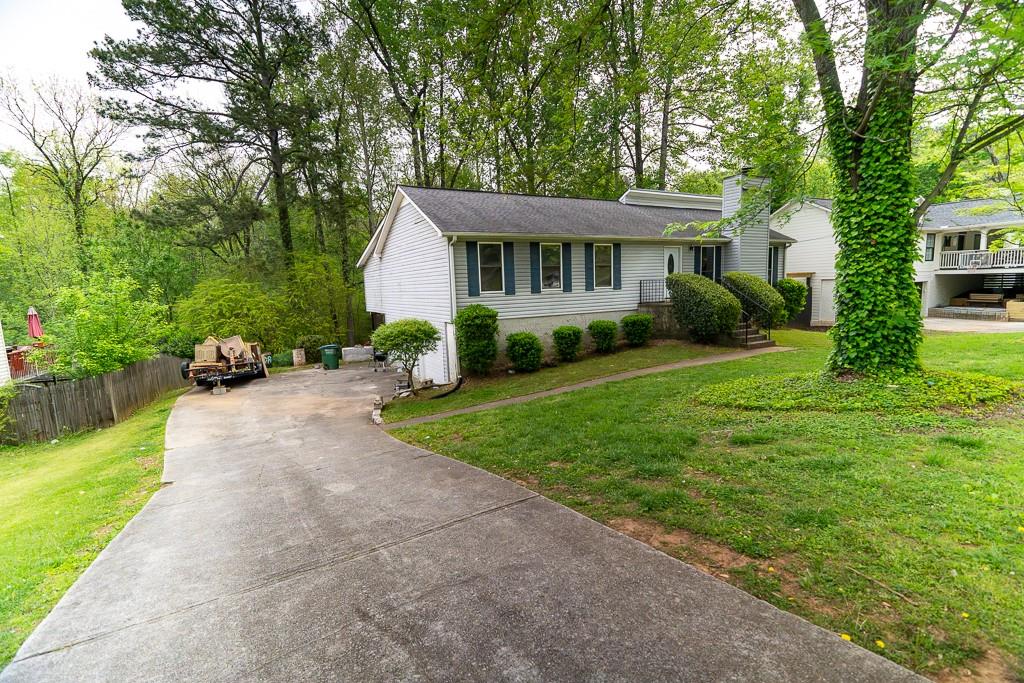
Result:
<point x="673" y="260"/>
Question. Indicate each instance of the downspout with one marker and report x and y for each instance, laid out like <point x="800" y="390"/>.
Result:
<point x="451" y="298"/>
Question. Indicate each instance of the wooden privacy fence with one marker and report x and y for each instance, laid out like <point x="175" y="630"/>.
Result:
<point x="44" y="411"/>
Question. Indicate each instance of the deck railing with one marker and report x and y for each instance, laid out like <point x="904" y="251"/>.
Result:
<point x="975" y="259"/>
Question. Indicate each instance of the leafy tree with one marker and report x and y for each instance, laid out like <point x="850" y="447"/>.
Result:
<point x="72" y="144"/>
<point x="228" y="306"/>
<point x="242" y="47"/>
<point x="963" y="62"/>
<point x="103" y="326"/>
<point x="406" y="341"/>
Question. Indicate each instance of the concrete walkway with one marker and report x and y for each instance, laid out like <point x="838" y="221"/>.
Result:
<point x="628" y="374"/>
<point x="977" y="326"/>
<point x="295" y="541"/>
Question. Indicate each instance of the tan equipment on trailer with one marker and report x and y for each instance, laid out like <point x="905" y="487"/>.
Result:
<point x="218" y="360"/>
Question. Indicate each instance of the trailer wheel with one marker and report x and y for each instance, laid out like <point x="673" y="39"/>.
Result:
<point x="184" y="369"/>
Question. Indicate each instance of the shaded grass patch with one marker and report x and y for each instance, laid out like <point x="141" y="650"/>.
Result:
<point x="928" y="390"/>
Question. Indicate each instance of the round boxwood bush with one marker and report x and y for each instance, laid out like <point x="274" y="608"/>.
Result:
<point x="702" y="307"/>
<point x="524" y="351"/>
<point x="568" y="339"/>
<point x="794" y="295"/>
<point x="603" y="332"/>
<point x="637" y="328"/>
<point x="476" y="333"/>
<point x="769" y="308"/>
<point x="311" y="344"/>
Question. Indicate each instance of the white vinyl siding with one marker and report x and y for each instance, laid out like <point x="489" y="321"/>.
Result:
<point x="5" y="370"/>
<point x="410" y="279"/>
<point x="825" y="303"/>
<point x="640" y="261"/>
<point x="815" y="248"/>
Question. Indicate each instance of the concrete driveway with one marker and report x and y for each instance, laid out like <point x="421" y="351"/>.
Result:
<point x="977" y="326"/>
<point x="295" y="541"/>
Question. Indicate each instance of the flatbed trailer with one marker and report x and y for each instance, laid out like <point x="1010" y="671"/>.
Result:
<point x="223" y="360"/>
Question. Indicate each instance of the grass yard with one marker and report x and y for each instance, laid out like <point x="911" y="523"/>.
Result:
<point x="902" y="529"/>
<point x="60" y="504"/>
<point x="477" y="390"/>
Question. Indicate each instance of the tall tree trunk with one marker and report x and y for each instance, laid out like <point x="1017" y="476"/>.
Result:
<point x="878" y="310"/>
<point x="666" y="110"/>
<point x="281" y="194"/>
<point x="638" y="140"/>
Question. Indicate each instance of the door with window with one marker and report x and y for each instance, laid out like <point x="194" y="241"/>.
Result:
<point x="673" y="258"/>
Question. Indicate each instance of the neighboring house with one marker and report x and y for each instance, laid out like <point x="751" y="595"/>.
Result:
<point x="5" y="370"/>
<point x="954" y="259"/>
<point x="542" y="262"/>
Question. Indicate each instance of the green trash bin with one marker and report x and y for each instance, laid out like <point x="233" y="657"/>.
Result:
<point x="329" y="354"/>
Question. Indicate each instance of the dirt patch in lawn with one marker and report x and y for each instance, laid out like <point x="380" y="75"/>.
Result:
<point x="708" y="556"/>
<point x="992" y="667"/>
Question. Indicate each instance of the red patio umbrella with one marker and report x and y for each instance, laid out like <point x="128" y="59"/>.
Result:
<point x="35" y="328"/>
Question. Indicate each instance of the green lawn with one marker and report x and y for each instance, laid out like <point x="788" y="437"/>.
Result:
<point x="481" y="390"/>
<point x="60" y="504"/>
<point x="905" y="528"/>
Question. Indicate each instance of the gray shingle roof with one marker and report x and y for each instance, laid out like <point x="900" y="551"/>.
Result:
<point x="971" y="213"/>
<point x="967" y="213"/>
<point x="471" y="211"/>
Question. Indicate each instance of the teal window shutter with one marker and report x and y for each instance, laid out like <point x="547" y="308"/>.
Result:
<point x="588" y="266"/>
<point x="617" y="266"/>
<point x="535" y="267"/>
<point x="473" y="268"/>
<point x="696" y="258"/>
<point x="509" y="267"/>
<point x="718" y="263"/>
<point x="566" y="266"/>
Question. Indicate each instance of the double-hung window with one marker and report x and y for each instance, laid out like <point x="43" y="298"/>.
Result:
<point x="707" y="262"/>
<point x="602" y="265"/>
<point x="551" y="266"/>
<point x="491" y="267"/>
<point x="773" y="255"/>
<point x="929" y="247"/>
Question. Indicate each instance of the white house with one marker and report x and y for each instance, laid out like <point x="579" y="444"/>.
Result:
<point x="5" y="370"/>
<point x="954" y="262"/>
<point x="542" y="261"/>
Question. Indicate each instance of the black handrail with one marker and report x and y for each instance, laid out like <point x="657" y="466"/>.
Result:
<point x="653" y="291"/>
<point x="746" y="303"/>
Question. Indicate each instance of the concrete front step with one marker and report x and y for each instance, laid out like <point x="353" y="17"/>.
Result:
<point x="764" y="343"/>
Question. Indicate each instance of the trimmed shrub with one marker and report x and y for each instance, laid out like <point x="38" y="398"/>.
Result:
<point x="476" y="333"/>
<point x="603" y="332"/>
<point x="702" y="307"/>
<point x="568" y="339"/>
<point x="524" y="350"/>
<point x="406" y="341"/>
<point x="769" y="309"/>
<point x="794" y="295"/>
<point x="637" y="328"/>
<point x="311" y="344"/>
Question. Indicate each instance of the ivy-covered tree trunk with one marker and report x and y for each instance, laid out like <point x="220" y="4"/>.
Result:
<point x="878" y="309"/>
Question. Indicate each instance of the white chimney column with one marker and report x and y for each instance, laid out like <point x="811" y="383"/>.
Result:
<point x="748" y="251"/>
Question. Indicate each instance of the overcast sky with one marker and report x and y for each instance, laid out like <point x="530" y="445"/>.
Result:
<point x="44" y="38"/>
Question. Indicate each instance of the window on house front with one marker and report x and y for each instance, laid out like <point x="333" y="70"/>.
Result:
<point x="707" y="262"/>
<point x="603" y="265"/>
<point x="977" y="241"/>
<point x="491" y="271"/>
<point x="772" y="256"/>
<point x="551" y="266"/>
<point x="929" y="247"/>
